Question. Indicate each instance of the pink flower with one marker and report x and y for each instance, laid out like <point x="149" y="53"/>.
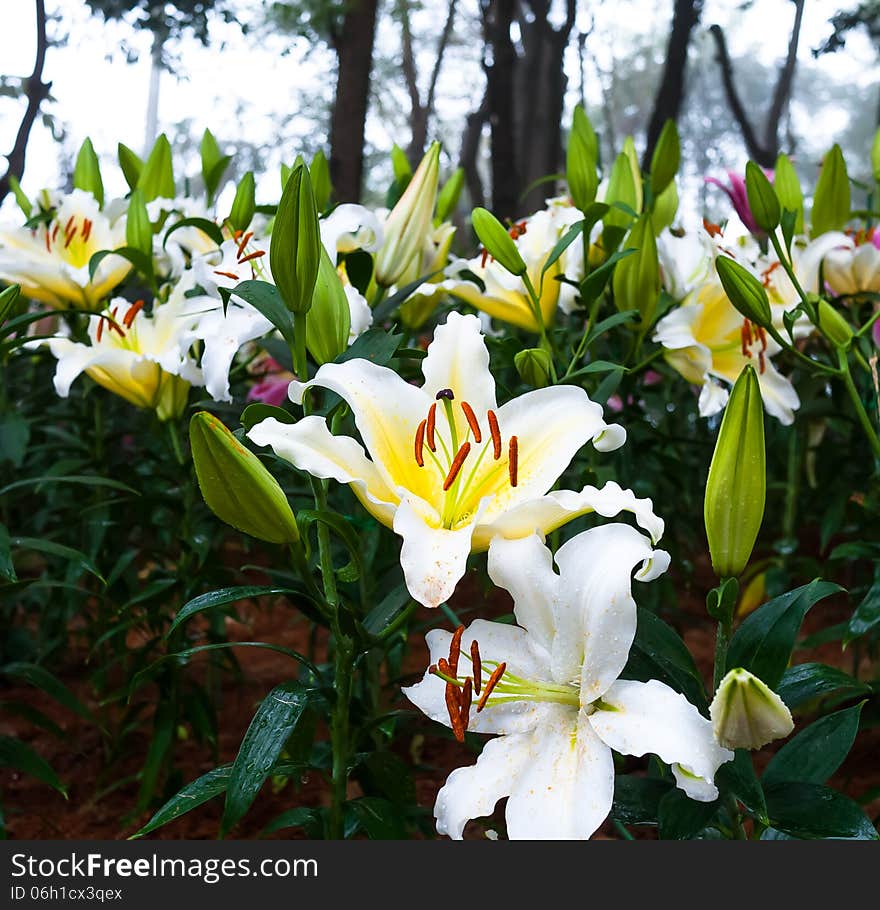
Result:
<point x="737" y="194"/>
<point x="272" y="390"/>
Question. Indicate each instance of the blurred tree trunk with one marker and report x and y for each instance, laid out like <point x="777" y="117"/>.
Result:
<point x="762" y="149"/>
<point x="420" y="112"/>
<point x="540" y="98"/>
<point x="670" y="95"/>
<point x="151" y="128"/>
<point x="354" y="49"/>
<point x="35" y="91"/>
<point x="470" y="149"/>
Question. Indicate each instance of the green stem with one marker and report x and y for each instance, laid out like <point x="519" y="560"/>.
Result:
<point x="861" y="413"/>
<point x="339" y="732"/>
<point x="792" y="485"/>
<point x="739" y="832"/>
<point x="722" y="642"/>
<point x="175" y="442"/>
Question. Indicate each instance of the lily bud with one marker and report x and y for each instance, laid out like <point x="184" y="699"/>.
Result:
<point x="833" y="326"/>
<point x="138" y="229"/>
<point x="87" y="172"/>
<point x="8" y="298"/>
<point x="244" y="204"/>
<point x="172" y="395"/>
<point x="497" y="241"/>
<point x="236" y="486"/>
<point x="296" y="243"/>
<point x="763" y="202"/>
<point x="746" y="713"/>
<point x="744" y="291"/>
<point x="329" y="321"/>
<point x="737" y="484"/>
<point x="636" y="280"/>
<point x="409" y="221"/>
<point x="533" y="366"/>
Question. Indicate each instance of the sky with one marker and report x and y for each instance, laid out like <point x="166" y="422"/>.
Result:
<point x="243" y="87"/>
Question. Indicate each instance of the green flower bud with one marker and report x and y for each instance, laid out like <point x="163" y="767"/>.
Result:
<point x="138" y="229"/>
<point x="744" y="291"/>
<point x="831" y="201"/>
<point x="636" y="280"/>
<point x="214" y="163"/>
<point x="329" y="322"/>
<point x="322" y="187"/>
<point x="533" y="366"/>
<point x="736" y="488"/>
<point x="762" y="198"/>
<point x="581" y="159"/>
<point x="746" y="713"/>
<point x="665" y="208"/>
<point x="236" y="486"/>
<point x="244" y="204"/>
<point x="447" y="198"/>
<point x="172" y="395"/>
<point x="497" y="241"/>
<point x="131" y="165"/>
<point x="295" y="245"/>
<point x="833" y="326"/>
<point x="157" y="175"/>
<point x="666" y="158"/>
<point x="410" y="220"/>
<point x="87" y="172"/>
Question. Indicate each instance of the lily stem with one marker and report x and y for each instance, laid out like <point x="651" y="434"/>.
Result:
<point x="339" y="731"/>
<point x="861" y="413"/>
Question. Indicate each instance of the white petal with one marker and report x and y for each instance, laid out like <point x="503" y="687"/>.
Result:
<point x="546" y="513"/>
<point x="596" y="617"/>
<point x="459" y="360"/>
<point x="350" y="227"/>
<point x="387" y="412"/>
<point x="498" y="642"/>
<point x="651" y="717"/>
<point x="360" y="314"/>
<point x="565" y="790"/>
<point x="524" y="568"/>
<point x="713" y="397"/>
<point x="473" y="792"/>
<point x="432" y="557"/>
<point x="779" y="395"/>
<point x="310" y="446"/>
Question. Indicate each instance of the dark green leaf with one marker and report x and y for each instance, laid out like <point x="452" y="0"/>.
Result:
<point x="35" y="675"/>
<point x="867" y="613"/>
<point x="7" y="568"/>
<point x="814" y="812"/>
<point x="637" y="799"/>
<point x="15" y="754"/>
<point x="192" y="795"/>
<point x="258" y="411"/>
<point x="203" y="224"/>
<point x="375" y="345"/>
<point x="738" y="777"/>
<point x="142" y="262"/>
<point x="379" y="818"/>
<point x="265" y="297"/>
<point x="56" y="549"/>
<point x="682" y="818"/>
<point x="805" y="682"/>
<point x="214" y="599"/>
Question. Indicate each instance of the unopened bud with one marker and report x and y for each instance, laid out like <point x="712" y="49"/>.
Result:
<point x="746" y="713"/>
<point x="497" y="241"/>
<point x="533" y="366"/>
<point x="744" y="291"/>
<point x="833" y="326"/>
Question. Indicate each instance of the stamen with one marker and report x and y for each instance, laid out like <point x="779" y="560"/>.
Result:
<point x="466" y="702"/>
<point x="455" y="650"/>
<point x="483" y="258"/>
<point x="455" y="467"/>
<point x="429" y="429"/>
<point x="445" y="393"/>
<point x="255" y="255"/>
<point x="111" y="324"/>
<point x="69" y="224"/>
<point x="133" y="310"/>
<point x="100" y="331"/>
<point x="86" y="229"/>
<point x="493" y="681"/>
<point x="419" y="444"/>
<point x="453" y="706"/>
<point x="48" y="240"/>
<point x="243" y="243"/>
<point x="477" y="666"/>
<point x="231" y="275"/>
<point x="496" y="434"/>
<point x="513" y="459"/>
<point x="746" y="337"/>
<point x="472" y="421"/>
<point x="54" y="232"/>
<point x="713" y="230"/>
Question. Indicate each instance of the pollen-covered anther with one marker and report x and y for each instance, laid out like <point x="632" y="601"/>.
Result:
<point x="455" y="467"/>
<point x="496" y="434"/>
<point x="231" y="275"/>
<point x="112" y="325"/>
<point x="455" y="650"/>
<point x="746" y="337"/>
<point x="133" y="310"/>
<point x="243" y="243"/>
<point x="493" y="681"/>
<point x="472" y="421"/>
<point x="86" y="229"/>
<point x="429" y="427"/>
<point x="476" y="666"/>
<point x="255" y="255"/>
<point x="467" y="698"/>
<point x="513" y="460"/>
<point x="419" y="444"/>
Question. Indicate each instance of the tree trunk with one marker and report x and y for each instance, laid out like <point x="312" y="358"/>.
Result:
<point x="470" y="148"/>
<point x="36" y="91"/>
<point x="670" y="95"/>
<point x="497" y="20"/>
<point x="354" y="50"/>
<point x="151" y="128"/>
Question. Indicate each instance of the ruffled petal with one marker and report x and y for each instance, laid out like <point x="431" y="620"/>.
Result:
<point x="636" y="718"/>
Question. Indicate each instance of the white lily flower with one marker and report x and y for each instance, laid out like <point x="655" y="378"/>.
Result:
<point x="351" y="227"/>
<point x="448" y="469"/>
<point x="706" y="341"/>
<point x="852" y="264"/>
<point x="549" y="687"/>
<point x="142" y="358"/>
<point x="51" y="262"/>
<point x="686" y="260"/>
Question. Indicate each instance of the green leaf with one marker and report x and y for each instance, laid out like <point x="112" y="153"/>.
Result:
<point x="15" y="754"/>
<point x="682" y="818"/>
<point x="192" y="795"/>
<point x="319" y="171"/>
<point x="244" y="204"/>
<point x="214" y="599"/>
<point x="659" y="653"/>
<point x="637" y="799"/>
<point x="259" y="410"/>
<point x="817" y="751"/>
<point x="738" y="777"/>
<point x="203" y="224"/>
<point x="390" y="775"/>
<point x="762" y="198"/>
<point x="15" y="433"/>
<point x="302" y="817"/>
<point x="142" y="262"/>
<point x="7" y="568"/>
<point x="666" y="158"/>
<point x="56" y="549"/>
<point x="867" y="613"/>
<point x="831" y="203"/>
<point x="87" y="172"/>
<point x="84" y="479"/>
<point x="21" y="198"/>
<point x="157" y="177"/>
<point x="764" y="642"/>
<point x="268" y="731"/>
<point x="138" y="229"/>
<point x="131" y="165"/>
<point x="37" y="676"/>
<point x="375" y="345"/>
<point x="214" y="163"/>
<point x="266" y="298"/>
<point x="387" y="610"/>
<point x="815" y="812"/>
<point x="805" y="682"/>
<point x="564" y="242"/>
<point x="379" y="818"/>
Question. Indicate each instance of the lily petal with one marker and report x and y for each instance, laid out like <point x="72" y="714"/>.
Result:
<point x="636" y="718"/>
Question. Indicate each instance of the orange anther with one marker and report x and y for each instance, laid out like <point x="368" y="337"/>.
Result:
<point x="496" y="434"/>
<point x="513" y="460"/>
<point x="255" y="255"/>
<point x="133" y="310"/>
<point x="713" y="230"/>
<point x="231" y="275"/>
<point x="455" y="650"/>
<point x="477" y="668"/>
<point x="467" y="697"/>
<point x="86" y="229"/>
<point x="455" y="467"/>
<point x="493" y="680"/>
<point x="472" y="421"/>
<point x="100" y="331"/>
<point x="419" y="444"/>
<point x="243" y="243"/>
<point x="429" y="428"/>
